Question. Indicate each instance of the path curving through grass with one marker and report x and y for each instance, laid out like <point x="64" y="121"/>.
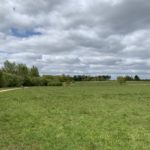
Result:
<point x="6" y="90"/>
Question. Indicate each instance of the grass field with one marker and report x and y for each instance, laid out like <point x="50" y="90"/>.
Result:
<point x="81" y="117"/>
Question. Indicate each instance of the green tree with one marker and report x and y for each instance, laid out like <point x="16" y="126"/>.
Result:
<point x="1" y="78"/>
<point x="137" y="78"/>
<point x="22" y="70"/>
<point x="129" y="78"/>
<point x="34" y="72"/>
<point x="9" y="67"/>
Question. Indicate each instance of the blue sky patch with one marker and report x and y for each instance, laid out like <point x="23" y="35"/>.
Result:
<point x="23" y="33"/>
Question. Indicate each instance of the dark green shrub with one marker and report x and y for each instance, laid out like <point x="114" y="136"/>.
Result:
<point x="10" y="80"/>
<point x="27" y="81"/>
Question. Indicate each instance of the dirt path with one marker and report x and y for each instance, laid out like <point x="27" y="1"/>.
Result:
<point x="1" y="91"/>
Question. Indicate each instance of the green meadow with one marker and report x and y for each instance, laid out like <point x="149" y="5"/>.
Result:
<point x="83" y="116"/>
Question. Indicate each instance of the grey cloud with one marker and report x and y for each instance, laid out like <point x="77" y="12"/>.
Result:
<point x="38" y="6"/>
<point x="124" y="17"/>
<point x="78" y="36"/>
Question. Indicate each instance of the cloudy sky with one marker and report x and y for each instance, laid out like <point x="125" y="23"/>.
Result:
<point x="77" y="36"/>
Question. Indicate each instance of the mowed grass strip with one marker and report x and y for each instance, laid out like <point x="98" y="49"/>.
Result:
<point x="108" y="117"/>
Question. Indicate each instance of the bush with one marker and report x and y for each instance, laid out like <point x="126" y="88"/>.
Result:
<point x="43" y="81"/>
<point x="38" y="81"/>
<point x="35" y="81"/>
<point x="27" y="81"/>
<point x="10" y="80"/>
<point x="54" y="83"/>
<point x="121" y="80"/>
<point x="67" y="83"/>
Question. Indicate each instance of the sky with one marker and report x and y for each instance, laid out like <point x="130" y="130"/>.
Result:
<point x="89" y="37"/>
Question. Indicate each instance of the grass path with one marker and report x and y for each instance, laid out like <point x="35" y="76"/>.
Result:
<point x="6" y="90"/>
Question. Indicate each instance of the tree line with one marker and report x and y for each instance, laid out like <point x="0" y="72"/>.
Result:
<point x="123" y="79"/>
<point x="16" y="75"/>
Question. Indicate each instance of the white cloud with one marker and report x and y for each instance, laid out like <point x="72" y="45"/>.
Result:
<point x="78" y="36"/>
